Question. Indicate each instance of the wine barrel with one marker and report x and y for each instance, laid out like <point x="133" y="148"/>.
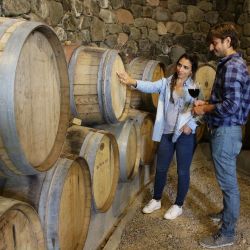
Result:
<point x="96" y="94"/>
<point x="101" y="152"/>
<point x="68" y="50"/>
<point x="199" y="132"/>
<point x="128" y="138"/>
<point x="148" y="146"/>
<point x="153" y="71"/>
<point x="20" y="226"/>
<point x="62" y="198"/>
<point x="34" y="97"/>
<point x="205" y="76"/>
<point x="147" y="70"/>
<point x="135" y="70"/>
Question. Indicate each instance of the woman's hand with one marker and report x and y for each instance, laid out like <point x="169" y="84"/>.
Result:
<point x="126" y="79"/>
<point x="186" y="130"/>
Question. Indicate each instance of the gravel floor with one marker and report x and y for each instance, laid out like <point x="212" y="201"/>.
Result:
<point x="204" y="197"/>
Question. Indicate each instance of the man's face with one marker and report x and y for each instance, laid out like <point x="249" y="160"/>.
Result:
<point x="219" y="46"/>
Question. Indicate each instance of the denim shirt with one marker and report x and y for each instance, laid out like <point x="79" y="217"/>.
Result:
<point x="162" y="87"/>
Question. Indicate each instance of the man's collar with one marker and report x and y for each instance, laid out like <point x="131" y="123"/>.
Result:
<point x="226" y="58"/>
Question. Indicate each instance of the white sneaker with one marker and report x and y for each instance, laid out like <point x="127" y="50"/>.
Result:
<point x="151" y="206"/>
<point x="173" y="212"/>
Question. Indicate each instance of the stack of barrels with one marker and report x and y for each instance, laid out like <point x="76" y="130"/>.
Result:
<point x="53" y="173"/>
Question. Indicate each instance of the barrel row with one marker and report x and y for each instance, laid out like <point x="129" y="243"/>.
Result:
<point x="85" y="176"/>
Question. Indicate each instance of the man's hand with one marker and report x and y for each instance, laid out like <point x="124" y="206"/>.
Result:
<point x="186" y="129"/>
<point x="203" y="108"/>
<point x="199" y="103"/>
<point x="199" y="110"/>
<point x="125" y="78"/>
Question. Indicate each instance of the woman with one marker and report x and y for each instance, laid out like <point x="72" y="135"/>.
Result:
<point x="174" y="128"/>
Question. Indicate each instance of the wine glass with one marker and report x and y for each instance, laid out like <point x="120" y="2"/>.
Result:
<point x="194" y="90"/>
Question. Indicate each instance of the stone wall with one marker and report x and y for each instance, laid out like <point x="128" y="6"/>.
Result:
<point x="136" y="27"/>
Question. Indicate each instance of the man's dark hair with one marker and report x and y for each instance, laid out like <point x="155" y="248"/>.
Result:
<point x="222" y="31"/>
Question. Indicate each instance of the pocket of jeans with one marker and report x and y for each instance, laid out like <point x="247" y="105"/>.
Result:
<point x="215" y="133"/>
<point x="237" y="147"/>
<point x="232" y="145"/>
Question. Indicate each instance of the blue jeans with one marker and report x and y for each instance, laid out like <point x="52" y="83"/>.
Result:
<point x="184" y="147"/>
<point x="226" y="143"/>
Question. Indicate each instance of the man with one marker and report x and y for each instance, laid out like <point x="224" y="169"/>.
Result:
<point x="225" y="112"/>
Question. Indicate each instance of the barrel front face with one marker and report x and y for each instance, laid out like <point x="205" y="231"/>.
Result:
<point x="157" y="74"/>
<point x="118" y="90"/>
<point x="148" y="146"/>
<point x="101" y="152"/>
<point x="23" y="234"/>
<point x="132" y="154"/>
<point x="34" y="110"/>
<point x="64" y="204"/>
<point x="104" y="172"/>
<point x="127" y="134"/>
<point x="205" y="76"/>
<point x="37" y="98"/>
<point x="20" y="226"/>
<point x="74" y="213"/>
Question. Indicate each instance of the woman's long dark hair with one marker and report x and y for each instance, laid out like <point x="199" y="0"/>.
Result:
<point x="194" y="62"/>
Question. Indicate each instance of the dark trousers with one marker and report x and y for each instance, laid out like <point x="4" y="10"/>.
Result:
<point x="184" y="147"/>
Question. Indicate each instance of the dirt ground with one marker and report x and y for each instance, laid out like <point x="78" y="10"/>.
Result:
<point x="153" y="232"/>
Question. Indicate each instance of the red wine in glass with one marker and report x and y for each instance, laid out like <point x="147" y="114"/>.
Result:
<point x="194" y="92"/>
